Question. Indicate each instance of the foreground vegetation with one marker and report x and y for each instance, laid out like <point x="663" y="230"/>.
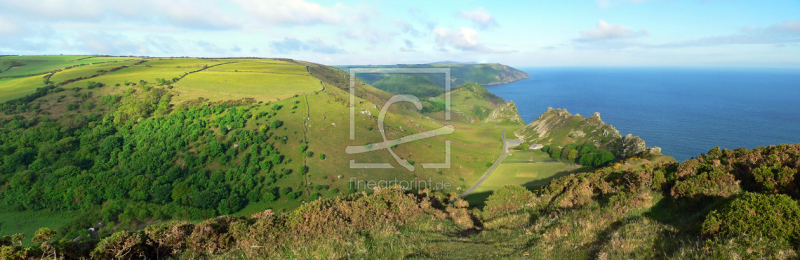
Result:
<point x="723" y="205"/>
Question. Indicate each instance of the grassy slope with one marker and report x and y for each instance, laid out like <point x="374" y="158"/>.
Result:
<point x="472" y="145"/>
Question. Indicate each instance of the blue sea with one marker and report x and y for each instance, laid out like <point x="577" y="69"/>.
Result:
<point x="685" y="111"/>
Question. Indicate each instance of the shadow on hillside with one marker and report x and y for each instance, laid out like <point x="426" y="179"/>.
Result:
<point x="536" y="184"/>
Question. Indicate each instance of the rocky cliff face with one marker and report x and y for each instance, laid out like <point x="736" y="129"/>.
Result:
<point x="505" y="113"/>
<point x="558" y="127"/>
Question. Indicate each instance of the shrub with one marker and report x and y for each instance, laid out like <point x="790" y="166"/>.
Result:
<point x="507" y="200"/>
<point x="309" y="154"/>
<point x="72" y="106"/>
<point x="121" y="245"/>
<point x="713" y="183"/>
<point x="321" y="156"/>
<point x="773" y="216"/>
<point x="275" y="124"/>
<point x="269" y="197"/>
<point x="773" y="179"/>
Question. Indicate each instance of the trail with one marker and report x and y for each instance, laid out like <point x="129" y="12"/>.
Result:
<point x="489" y="172"/>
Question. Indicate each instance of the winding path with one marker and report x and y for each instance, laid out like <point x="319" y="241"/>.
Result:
<point x="489" y="172"/>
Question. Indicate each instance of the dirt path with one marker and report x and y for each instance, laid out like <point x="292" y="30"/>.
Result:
<point x="489" y="172"/>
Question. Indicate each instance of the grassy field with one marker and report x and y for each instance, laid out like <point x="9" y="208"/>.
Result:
<point x="27" y="222"/>
<point x="183" y="62"/>
<point x="135" y="74"/>
<point x="528" y="168"/>
<point x="19" y="87"/>
<point x="252" y="66"/>
<point x="46" y="57"/>
<point x="85" y="71"/>
<point x="236" y="85"/>
<point x="39" y="67"/>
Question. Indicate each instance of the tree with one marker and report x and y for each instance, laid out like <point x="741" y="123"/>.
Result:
<point x="555" y="152"/>
<point x="572" y="155"/>
<point x="17" y="238"/>
<point x="43" y="234"/>
<point x="321" y="156"/>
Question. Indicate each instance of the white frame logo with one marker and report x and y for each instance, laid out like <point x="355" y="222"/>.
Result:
<point x="387" y="144"/>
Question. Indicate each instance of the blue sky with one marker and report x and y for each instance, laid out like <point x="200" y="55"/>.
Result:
<point x="519" y="33"/>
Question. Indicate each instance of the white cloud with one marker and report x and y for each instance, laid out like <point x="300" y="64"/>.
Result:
<point x="406" y="27"/>
<point x="6" y="27"/>
<point x="369" y="34"/>
<point x="480" y="17"/>
<point x="604" y="31"/>
<point x="409" y="46"/>
<point x="785" y="32"/>
<point x="609" y="3"/>
<point x="179" y="13"/>
<point x="293" y="45"/>
<point x="465" y="39"/>
<point x="297" y="12"/>
<point x="423" y="18"/>
<point x="789" y="26"/>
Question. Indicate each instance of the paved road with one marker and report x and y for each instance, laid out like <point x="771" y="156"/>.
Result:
<point x="489" y="172"/>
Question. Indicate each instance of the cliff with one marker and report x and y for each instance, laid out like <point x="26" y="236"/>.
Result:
<point x="505" y="113"/>
<point x="559" y="127"/>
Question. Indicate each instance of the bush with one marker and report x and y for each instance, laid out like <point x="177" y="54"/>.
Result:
<point x="92" y="84"/>
<point x="773" y="179"/>
<point x="712" y="183"/>
<point x="275" y="124"/>
<point x="72" y="106"/>
<point x="507" y="200"/>
<point x="321" y="156"/>
<point x="773" y="216"/>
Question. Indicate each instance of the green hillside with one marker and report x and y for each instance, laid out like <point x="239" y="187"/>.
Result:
<point x="408" y="84"/>
<point x="482" y="74"/>
<point x="129" y="143"/>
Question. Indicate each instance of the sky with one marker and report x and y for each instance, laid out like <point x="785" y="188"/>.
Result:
<point x="735" y="33"/>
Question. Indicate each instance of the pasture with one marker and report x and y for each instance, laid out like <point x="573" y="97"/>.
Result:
<point x="13" y="88"/>
<point x="236" y="85"/>
<point x="524" y="168"/>
<point x="86" y="71"/>
<point x="282" y="68"/>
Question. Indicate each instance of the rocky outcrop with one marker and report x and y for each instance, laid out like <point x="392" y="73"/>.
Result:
<point x="558" y="127"/>
<point x="505" y="113"/>
<point x="632" y="145"/>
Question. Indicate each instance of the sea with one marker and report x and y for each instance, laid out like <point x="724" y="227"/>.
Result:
<point x="685" y="111"/>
